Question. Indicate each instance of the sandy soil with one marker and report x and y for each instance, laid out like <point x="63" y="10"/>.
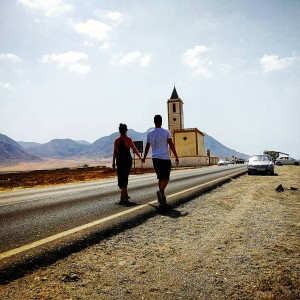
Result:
<point x="239" y="241"/>
<point x="41" y="178"/>
<point x="51" y="163"/>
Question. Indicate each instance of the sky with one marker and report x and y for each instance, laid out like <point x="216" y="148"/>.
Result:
<point x="77" y="68"/>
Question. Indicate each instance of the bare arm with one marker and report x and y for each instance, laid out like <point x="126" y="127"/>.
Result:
<point x="146" y="152"/>
<point x="132" y="146"/>
<point x="114" y="154"/>
<point x="172" y="147"/>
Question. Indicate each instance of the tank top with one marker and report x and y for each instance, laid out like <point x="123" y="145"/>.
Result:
<point x="123" y="153"/>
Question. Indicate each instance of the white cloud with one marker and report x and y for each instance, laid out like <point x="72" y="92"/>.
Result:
<point x="105" y="46"/>
<point x="79" y="68"/>
<point x="194" y="58"/>
<point x="51" y="8"/>
<point x="93" y="29"/>
<point x="272" y="63"/>
<point x="113" y="16"/>
<point x="5" y="86"/>
<point x="146" y="60"/>
<point x="10" y="57"/>
<point x="72" y="61"/>
<point x="130" y="58"/>
<point x="87" y="44"/>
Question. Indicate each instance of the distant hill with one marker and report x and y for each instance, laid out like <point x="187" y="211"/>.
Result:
<point x="219" y="150"/>
<point x="101" y="148"/>
<point x="29" y="145"/>
<point x="11" y="152"/>
<point x="83" y="142"/>
<point x="104" y="146"/>
<point x="57" y="148"/>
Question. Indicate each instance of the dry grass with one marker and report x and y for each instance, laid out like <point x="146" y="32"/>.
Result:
<point x="41" y="178"/>
<point x="55" y="163"/>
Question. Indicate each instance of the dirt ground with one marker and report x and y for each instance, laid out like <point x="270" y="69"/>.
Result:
<point x="239" y="241"/>
<point x="41" y="178"/>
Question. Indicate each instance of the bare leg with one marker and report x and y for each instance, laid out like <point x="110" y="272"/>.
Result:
<point x="123" y="193"/>
<point x="162" y="184"/>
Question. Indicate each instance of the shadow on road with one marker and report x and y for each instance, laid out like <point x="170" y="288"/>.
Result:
<point x="169" y="212"/>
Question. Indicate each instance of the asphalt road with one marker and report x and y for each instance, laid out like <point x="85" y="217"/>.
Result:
<point x="32" y="215"/>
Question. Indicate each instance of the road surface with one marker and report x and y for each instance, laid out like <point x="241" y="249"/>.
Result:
<point x="33" y="215"/>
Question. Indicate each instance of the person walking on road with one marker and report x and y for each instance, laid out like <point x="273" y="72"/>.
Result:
<point x="160" y="141"/>
<point x="122" y="158"/>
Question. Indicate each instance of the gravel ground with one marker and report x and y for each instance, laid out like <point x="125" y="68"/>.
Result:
<point x="239" y="241"/>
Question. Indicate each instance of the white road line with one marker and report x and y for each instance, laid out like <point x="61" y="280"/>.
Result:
<point x="52" y="238"/>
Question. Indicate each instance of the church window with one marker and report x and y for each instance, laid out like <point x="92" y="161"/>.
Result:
<point x="174" y="107"/>
<point x="185" y="138"/>
<point x="174" y="119"/>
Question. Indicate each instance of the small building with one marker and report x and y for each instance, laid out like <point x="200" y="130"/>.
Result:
<point x="188" y="141"/>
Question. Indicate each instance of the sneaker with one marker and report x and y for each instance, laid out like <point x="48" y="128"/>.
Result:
<point x="161" y="198"/>
<point x="165" y="207"/>
<point x="124" y="202"/>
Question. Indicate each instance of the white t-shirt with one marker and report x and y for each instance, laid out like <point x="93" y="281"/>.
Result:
<point x="158" y="139"/>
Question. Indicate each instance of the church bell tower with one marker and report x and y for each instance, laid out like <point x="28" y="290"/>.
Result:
<point x="175" y="112"/>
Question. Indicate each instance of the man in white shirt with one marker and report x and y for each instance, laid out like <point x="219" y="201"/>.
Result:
<point x="160" y="140"/>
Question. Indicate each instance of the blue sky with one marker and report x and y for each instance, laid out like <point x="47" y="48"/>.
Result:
<point x="76" y="69"/>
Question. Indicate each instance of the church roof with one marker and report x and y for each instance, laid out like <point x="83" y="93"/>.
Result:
<point x="174" y="94"/>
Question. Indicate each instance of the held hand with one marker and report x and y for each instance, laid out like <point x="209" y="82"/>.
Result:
<point x="143" y="160"/>
<point x="177" y="161"/>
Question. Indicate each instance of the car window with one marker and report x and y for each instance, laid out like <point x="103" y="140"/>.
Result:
<point x="261" y="158"/>
<point x="255" y="157"/>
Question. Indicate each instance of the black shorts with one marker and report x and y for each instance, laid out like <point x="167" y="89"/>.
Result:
<point x="162" y="168"/>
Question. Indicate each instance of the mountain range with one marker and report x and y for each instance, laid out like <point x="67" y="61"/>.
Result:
<point x="12" y="152"/>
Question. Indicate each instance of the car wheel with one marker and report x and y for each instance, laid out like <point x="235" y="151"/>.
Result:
<point x="272" y="173"/>
<point x="278" y="163"/>
<point x="249" y="173"/>
<point x="296" y="164"/>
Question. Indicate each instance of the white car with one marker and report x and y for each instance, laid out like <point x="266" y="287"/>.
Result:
<point x="286" y="160"/>
<point x="223" y="162"/>
<point x="260" y="164"/>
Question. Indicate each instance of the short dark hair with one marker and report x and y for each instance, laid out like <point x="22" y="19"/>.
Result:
<point x="157" y="120"/>
<point x="123" y="128"/>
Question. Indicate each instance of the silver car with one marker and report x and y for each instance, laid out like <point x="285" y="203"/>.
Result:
<point x="223" y="162"/>
<point x="286" y="160"/>
<point x="260" y="164"/>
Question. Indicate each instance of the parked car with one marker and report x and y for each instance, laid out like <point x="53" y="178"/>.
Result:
<point x="240" y="161"/>
<point x="223" y="162"/>
<point x="260" y="164"/>
<point x="286" y="160"/>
